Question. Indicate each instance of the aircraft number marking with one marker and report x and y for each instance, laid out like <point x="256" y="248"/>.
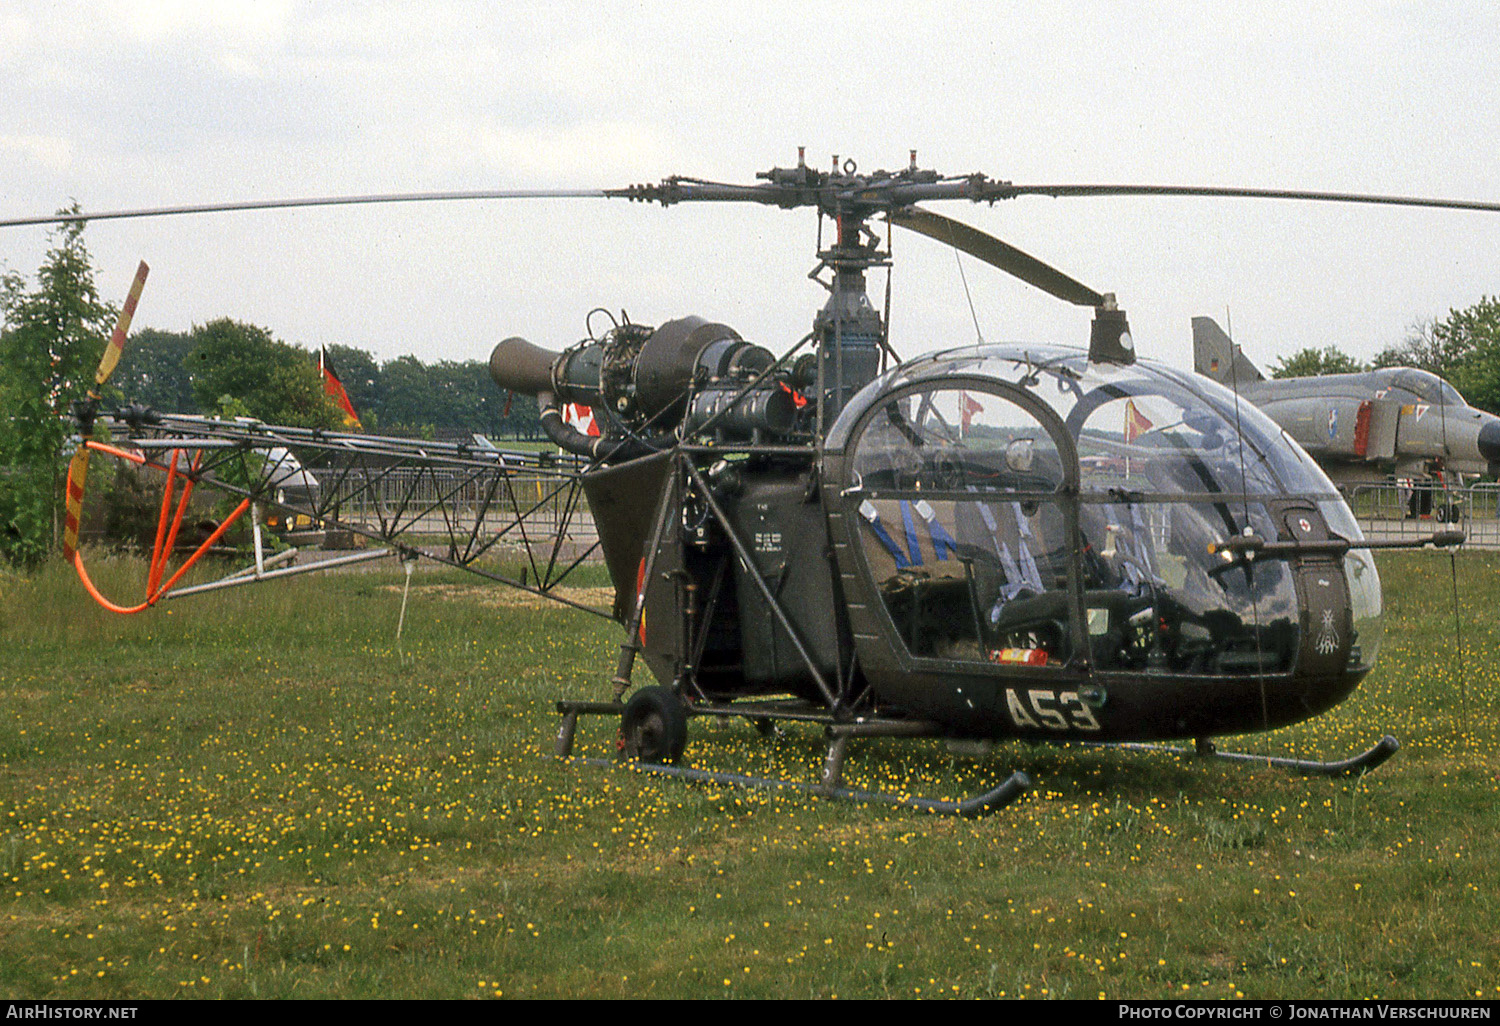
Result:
<point x="1055" y="710"/>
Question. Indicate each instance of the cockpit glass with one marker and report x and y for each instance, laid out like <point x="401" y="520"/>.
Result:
<point x="1185" y="432"/>
<point x="1158" y="601"/>
<point x="1149" y="440"/>
<point x="978" y="547"/>
<point x="962" y="527"/>
<point x="1428" y="387"/>
<point x="951" y="439"/>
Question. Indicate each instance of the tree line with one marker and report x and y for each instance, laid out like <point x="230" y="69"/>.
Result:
<point x="1463" y="348"/>
<point x="202" y="370"/>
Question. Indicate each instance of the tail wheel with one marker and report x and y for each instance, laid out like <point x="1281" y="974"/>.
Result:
<point x="653" y="727"/>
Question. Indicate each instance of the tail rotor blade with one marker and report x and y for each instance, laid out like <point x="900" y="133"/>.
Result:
<point x="116" y="345"/>
<point x="78" y="467"/>
<point x="78" y="472"/>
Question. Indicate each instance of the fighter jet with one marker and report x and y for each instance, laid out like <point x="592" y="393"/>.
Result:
<point x="1395" y="422"/>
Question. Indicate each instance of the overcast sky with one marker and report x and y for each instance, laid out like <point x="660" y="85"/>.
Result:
<point x="137" y="103"/>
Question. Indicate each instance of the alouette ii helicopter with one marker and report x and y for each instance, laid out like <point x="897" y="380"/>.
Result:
<point x="989" y="542"/>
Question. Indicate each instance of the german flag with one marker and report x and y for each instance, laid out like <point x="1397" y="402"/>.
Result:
<point x="335" y="388"/>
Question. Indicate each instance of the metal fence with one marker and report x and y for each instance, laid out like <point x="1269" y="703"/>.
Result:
<point x="1398" y="511"/>
<point x="440" y="501"/>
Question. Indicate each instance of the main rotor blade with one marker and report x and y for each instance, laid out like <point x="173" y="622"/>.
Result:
<point x="316" y="201"/>
<point x="883" y="191"/>
<point x="1010" y="190"/>
<point x="992" y="251"/>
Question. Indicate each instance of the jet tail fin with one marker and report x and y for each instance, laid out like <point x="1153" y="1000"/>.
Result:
<point x="1216" y="357"/>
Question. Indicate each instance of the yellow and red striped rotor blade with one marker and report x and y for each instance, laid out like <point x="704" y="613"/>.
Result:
<point x="78" y="468"/>
<point x="78" y="471"/>
<point x="117" y="340"/>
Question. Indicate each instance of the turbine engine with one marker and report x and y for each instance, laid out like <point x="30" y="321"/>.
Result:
<point x="649" y="385"/>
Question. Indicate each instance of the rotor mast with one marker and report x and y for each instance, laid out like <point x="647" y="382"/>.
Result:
<point x="849" y="331"/>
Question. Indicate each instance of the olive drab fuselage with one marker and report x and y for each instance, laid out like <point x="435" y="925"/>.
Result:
<point x="1014" y="541"/>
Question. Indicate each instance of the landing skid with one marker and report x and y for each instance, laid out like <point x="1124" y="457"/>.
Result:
<point x="841" y="732"/>
<point x="831" y="783"/>
<point x="1354" y="765"/>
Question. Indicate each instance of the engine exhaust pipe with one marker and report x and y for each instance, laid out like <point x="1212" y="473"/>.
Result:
<point x="518" y="366"/>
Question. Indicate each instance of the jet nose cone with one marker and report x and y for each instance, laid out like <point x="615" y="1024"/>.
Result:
<point x="1489" y="440"/>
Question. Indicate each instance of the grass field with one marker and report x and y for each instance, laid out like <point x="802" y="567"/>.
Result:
<point x="261" y="794"/>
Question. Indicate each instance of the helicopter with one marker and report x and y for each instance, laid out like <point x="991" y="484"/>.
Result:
<point x="985" y="543"/>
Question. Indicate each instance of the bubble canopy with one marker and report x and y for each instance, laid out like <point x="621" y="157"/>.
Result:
<point x="1018" y="509"/>
<point x="1169" y="415"/>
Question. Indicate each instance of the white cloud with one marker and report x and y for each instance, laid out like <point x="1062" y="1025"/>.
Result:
<point x="221" y="22"/>
<point x="561" y="154"/>
<point x="51" y="152"/>
<point x="15" y="38"/>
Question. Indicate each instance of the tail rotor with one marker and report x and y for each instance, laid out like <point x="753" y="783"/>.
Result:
<point x="78" y="469"/>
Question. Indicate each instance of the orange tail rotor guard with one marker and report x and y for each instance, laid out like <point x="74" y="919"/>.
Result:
<point x="169" y="521"/>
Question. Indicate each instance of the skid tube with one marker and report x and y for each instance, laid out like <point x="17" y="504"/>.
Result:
<point x="1204" y="748"/>
<point x="831" y="784"/>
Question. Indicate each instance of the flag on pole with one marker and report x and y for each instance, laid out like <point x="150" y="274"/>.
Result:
<point x="968" y="406"/>
<point x="1135" y="424"/>
<point x="335" y="389"/>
